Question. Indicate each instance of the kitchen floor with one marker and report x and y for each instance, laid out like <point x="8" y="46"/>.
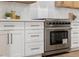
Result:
<point x="70" y="54"/>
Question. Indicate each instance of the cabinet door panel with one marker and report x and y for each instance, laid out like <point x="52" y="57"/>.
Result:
<point x="17" y="43"/>
<point x="4" y="45"/>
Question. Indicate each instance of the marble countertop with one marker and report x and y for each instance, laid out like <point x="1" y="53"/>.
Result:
<point x="20" y="20"/>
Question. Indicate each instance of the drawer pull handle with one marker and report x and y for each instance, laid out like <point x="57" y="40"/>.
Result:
<point x="75" y="42"/>
<point x="11" y="38"/>
<point x="34" y="35"/>
<point x="35" y="48"/>
<point x="8" y="25"/>
<point x="8" y="37"/>
<point x="35" y="25"/>
<point x="75" y="33"/>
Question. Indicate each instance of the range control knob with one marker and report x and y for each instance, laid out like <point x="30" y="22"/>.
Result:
<point x="50" y="23"/>
<point x="53" y="23"/>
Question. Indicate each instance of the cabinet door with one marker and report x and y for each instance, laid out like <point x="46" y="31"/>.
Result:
<point x="17" y="43"/>
<point x="76" y="4"/>
<point x="4" y="44"/>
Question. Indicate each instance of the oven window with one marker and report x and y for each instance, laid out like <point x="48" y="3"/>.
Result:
<point x="56" y="37"/>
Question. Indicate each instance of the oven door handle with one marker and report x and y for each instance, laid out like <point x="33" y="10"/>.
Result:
<point x="64" y="28"/>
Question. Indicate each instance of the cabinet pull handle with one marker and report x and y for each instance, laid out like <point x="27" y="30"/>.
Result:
<point x="35" y="48"/>
<point x="11" y="38"/>
<point x="34" y="35"/>
<point x="8" y="38"/>
<point x="8" y="25"/>
<point x="35" y="25"/>
<point x="75" y="42"/>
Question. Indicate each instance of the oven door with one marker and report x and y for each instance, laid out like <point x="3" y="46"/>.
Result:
<point x="57" y="38"/>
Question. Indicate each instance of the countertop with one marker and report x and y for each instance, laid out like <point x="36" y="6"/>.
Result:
<point x="19" y="20"/>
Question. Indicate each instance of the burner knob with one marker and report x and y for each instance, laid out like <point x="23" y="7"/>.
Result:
<point x="56" y="22"/>
<point x="62" y="22"/>
<point x="59" y="22"/>
<point x="49" y="23"/>
<point x="68" y="22"/>
<point x="53" y="23"/>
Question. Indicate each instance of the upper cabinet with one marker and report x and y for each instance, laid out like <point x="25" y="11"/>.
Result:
<point x="67" y="4"/>
<point x="25" y="2"/>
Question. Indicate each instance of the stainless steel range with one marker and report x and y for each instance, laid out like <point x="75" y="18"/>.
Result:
<point x="57" y="36"/>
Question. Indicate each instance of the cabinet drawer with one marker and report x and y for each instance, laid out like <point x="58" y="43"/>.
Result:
<point x="74" y="39"/>
<point x="74" y="44"/>
<point x="34" y="25"/>
<point x="11" y="25"/>
<point x="74" y="31"/>
<point x="75" y="24"/>
<point x="74" y="35"/>
<point x="34" y="48"/>
<point x="75" y="27"/>
<point x="34" y="35"/>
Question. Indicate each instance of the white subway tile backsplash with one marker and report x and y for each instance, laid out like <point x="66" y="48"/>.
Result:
<point x="42" y="12"/>
<point x="40" y="9"/>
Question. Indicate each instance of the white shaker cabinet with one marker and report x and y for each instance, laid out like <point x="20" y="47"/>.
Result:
<point x="75" y="36"/>
<point x="34" y="38"/>
<point x="4" y="43"/>
<point x="17" y="43"/>
<point x="14" y="37"/>
<point x="18" y="39"/>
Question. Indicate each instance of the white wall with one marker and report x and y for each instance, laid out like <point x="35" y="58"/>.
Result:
<point x="41" y="9"/>
<point x="3" y="9"/>
<point x="60" y="12"/>
<point x="48" y="9"/>
<point x="20" y="8"/>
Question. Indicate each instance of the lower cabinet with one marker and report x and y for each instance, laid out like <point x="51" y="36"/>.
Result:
<point x="75" y="36"/>
<point x="34" y="43"/>
<point x="4" y="44"/>
<point x="17" y="43"/>
<point x="12" y="43"/>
